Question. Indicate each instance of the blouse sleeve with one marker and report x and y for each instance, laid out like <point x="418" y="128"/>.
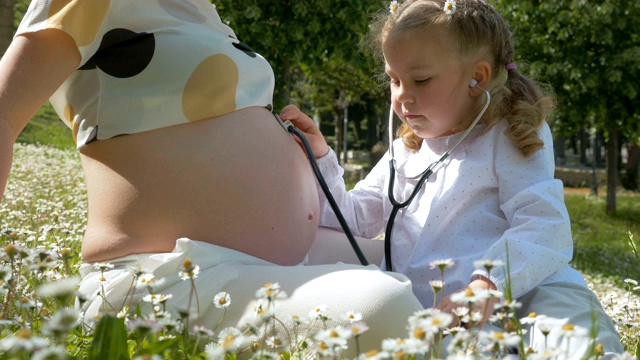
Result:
<point x="539" y="238"/>
<point x="361" y="207"/>
<point x="80" y="19"/>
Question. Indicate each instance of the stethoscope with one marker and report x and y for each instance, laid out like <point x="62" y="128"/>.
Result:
<point x="422" y="177"/>
<point x="397" y="205"/>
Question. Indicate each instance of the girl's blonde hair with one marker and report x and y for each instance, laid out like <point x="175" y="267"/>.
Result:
<point x="478" y="30"/>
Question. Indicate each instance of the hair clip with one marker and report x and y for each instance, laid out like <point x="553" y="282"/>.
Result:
<point x="393" y="6"/>
<point x="511" y="66"/>
<point x="450" y="7"/>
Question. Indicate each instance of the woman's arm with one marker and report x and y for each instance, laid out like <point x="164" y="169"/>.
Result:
<point x="33" y="67"/>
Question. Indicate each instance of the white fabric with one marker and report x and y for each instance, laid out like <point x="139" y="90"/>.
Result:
<point x="484" y="196"/>
<point x="384" y="299"/>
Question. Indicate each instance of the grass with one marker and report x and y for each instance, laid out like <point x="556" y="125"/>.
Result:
<point x="46" y="128"/>
<point x="601" y="240"/>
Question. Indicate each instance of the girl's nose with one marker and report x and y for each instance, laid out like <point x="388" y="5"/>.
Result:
<point x="403" y="95"/>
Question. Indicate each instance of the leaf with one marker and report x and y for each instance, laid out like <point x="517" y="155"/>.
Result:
<point x="110" y="340"/>
<point x="158" y="347"/>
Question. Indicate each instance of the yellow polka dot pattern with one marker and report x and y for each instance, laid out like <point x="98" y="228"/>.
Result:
<point x="80" y="19"/>
<point x="70" y="115"/>
<point x="203" y="98"/>
<point x="133" y="74"/>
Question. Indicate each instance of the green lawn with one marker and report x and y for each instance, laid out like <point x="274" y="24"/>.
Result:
<point x="47" y="128"/>
<point x="602" y="243"/>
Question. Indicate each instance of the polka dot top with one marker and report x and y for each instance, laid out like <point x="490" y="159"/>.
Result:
<point x="149" y="64"/>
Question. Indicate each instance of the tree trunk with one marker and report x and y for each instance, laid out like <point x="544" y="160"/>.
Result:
<point x="6" y="24"/>
<point x="630" y="179"/>
<point x="338" y="115"/>
<point x="559" y="147"/>
<point x="612" y="170"/>
<point x="584" y="144"/>
<point x="633" y="161"/>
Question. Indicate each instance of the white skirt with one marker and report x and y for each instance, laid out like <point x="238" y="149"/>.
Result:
<point x="384" y="299"/>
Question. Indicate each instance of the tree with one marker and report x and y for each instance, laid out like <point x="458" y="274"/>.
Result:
<point x="590" y="54"/>
<point x="6" y="24"/>
<point x="313" y="48"/>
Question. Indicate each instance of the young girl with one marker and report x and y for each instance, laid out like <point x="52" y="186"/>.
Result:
<point x="495" y="191"/>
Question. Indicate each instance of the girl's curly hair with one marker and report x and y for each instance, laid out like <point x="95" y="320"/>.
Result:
<point x="479" y="30"/>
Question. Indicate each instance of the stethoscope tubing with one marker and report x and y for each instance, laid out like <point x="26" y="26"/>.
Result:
<point x="423" y="177"/>
<point x="332" y="202"/>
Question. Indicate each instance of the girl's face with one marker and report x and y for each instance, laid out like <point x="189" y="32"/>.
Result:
<point x="429" y="82"/>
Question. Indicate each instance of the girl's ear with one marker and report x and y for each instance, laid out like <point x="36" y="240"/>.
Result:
<point x="481" y="72"/>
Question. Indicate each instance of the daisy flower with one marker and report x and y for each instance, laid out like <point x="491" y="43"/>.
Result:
<point x="488" y="264"/>
<point x="62" y="321"/>
<point x="393" y="7"/>
<point x="59" y="289"/>
<point x="319" y="312"/>
<point x="203" y="331"/>
<point x="189" y="270"/>
<point x="499" y="339"/>
<point x="231" y="340"/>
<point x="450" y="7"/>
<point x="374" y="355"/>
<point x="271" y="291"/>
<point x="23" y="339"/>
<point x="358" y="328"/>
<point x="441" y="264"/>
<point x="222" y="300"/>
<point x="436" y="285"/>
<point x="276" y="342"/>
<point x="353" y="316"/>
<point x="102" y="266"/>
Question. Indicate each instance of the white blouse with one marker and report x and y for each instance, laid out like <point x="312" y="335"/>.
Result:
<point x="485" y="196"/>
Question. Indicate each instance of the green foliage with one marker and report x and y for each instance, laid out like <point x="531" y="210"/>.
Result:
<point x="47" y="128"/>
<point x="109" y="340"/>
<point x="313" y="45"/>
<point x="602" y="241"/>
<point x="590" y="54"/>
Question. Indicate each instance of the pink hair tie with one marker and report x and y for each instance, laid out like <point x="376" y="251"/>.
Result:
<point x="511" y="66"/>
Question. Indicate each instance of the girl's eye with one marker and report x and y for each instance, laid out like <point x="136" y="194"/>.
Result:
<point x="393" y="81"/>
<point x="423" y="81"/>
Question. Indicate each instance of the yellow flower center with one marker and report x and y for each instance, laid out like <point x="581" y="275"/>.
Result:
<point x="532" y="314"/>
<point x="228" y="341"/>
<point x="24" y="334"/>
<point x="371" y="353"/>
<point x="498" y="336"/>
<point x="418" y="333"/>
<point x="599" y="349"/>
<point x="187" y="265"/>
<point x="567" y="327"/>
<point x="11" y="250"/>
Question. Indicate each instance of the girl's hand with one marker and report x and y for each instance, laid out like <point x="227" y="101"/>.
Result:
<point x="308" y="127"/>
<point x="485" y="307"/>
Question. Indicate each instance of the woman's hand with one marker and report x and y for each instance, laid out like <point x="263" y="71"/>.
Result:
<point x="308" y="127"/>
